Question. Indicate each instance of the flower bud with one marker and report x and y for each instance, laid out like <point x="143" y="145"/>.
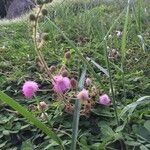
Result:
<point x="52" y="68"/>
<point x="32" y="17"/>
<point x="65" y="73"/>
<point x="68" y="108"/>
<point x="44" y="116"/>
<point x="39" y="2"/>
<point x="42" y="105"/>
<point x="73" y="83"/>
<point x="88" y="82"/>
<point x="44" y="12"/>
<point x="68" y="55"/>
<point x="83" y="95"/>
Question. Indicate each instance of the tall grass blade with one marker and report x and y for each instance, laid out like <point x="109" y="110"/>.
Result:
<point x="123" y="46"/>
<point x="24" y="112"/>
<point x="76" y="115"/>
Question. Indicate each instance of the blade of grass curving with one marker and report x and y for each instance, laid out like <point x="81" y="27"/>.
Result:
<point x="76" y="115"/>
<point x="111" y="63"/>
<point x="24" y="112"/>
<point x="91" y="70"/>
<point x="99" y="67"/>
<point x="123" y="46"/>
<point x="131" y="107"/>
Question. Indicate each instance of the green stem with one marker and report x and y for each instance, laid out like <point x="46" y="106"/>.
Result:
<point x="76" y="115"/>
<point x="111" y="82"/>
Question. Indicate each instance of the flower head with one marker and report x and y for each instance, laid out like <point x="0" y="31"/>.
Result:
<point x="83" y="95"/>
<point x="29" y="88"/>
<point x="61" y="83"/>
<point x="104" y="99"/>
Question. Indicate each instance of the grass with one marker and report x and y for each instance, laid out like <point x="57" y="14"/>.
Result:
<point x="82" y="23"/>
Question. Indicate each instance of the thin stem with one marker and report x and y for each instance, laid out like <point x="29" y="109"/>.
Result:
<point x="37" y="50"/>
<point x="111" y="82"/>
<point x="43" y="111"/>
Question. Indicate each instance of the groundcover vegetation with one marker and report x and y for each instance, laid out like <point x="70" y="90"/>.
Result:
<point x="75" y="75"/>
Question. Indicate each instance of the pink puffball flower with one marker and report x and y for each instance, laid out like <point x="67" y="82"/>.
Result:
<point x="83" y="95"/>
<point x="61" y="83"/>
<point x="104" y="99"/>
<point x="29" y="88"/>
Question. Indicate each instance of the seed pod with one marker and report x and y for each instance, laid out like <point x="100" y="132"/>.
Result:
<point x="88" y="82"/>
<point x="42" y="105"/>
<point x="39" y="2"/>
<point x="65" y="73"/>
<point x="52" y="68"/>
<point x="44" y="12"/>
<point x="68" y="55"/>
<point x="32" y="17"/>
<point x="73" y="83"/>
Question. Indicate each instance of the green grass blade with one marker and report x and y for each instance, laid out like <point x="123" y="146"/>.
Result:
<point x="24" y="112"/>
<point x="99" y="67"/>
<point x="124" y="36"/>
<point x="76" y="115"/>
<point x="123" y="46"/>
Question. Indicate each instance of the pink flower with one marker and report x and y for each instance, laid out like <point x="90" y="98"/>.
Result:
<point x="29" y="88"/>
<point x="83" y="95"/>
<point x="61" y="83"/>
<point x="104" y="99"/>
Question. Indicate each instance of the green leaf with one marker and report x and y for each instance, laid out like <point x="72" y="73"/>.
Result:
<point x="15" y="105"/>
<point x="76" y="115"/>
<point x="147" y="145"/>
<point x="142" y="147"/>
<point x="128" y="110"/>
<point x="6" y="132"/>
<point x="3" y="144"/>
<point x="132" y="143"/>
<point x="27" y="145"/>
<point x="147" y="125"/>
<point x="106" y="129"/>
